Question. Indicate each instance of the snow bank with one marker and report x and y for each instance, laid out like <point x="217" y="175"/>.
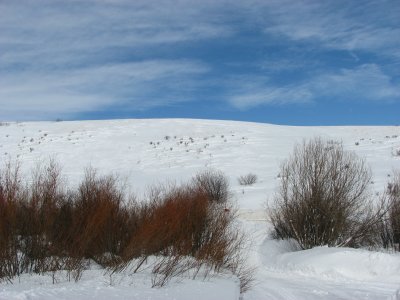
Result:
<point x="332" y="263"/>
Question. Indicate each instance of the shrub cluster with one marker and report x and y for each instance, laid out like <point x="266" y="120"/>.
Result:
<point x="323" y="198"/>
<point x="214" y="184"/>
<point x="248" y="179"/>
<point x="46" y="228"/>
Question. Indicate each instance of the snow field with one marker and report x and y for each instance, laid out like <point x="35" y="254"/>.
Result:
<point x="148" y="152"/>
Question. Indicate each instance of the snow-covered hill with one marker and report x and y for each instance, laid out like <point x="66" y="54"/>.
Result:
<point x="146" y="152"/>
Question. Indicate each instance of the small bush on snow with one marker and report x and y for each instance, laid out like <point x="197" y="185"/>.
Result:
<point x="248" y="179"/>
<point x="215" y="184"/>
<point x="323" y="198"/>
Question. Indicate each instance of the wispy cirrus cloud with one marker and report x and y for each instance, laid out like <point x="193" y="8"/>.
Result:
<point x="44" y="33"/>
<point x="364" y="83"/>
<point x="252" y="91"/>
<point x="372" y="26"/>
<point x="60" y="58"/>
<point x="141" y="85"/>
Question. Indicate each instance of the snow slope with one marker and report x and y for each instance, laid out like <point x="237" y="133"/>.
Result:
<point x="146" y="152"/>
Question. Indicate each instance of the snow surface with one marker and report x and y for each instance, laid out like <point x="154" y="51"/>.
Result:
<point x="147" y="152"/>
<point x="95" y="285"/>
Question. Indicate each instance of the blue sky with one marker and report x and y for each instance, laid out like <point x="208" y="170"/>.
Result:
<point x="283" y="62"/>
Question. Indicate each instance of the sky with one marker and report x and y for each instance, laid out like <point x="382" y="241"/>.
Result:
<point x="274" y="61"/>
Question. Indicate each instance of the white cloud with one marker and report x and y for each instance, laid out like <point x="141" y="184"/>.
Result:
<point x="364" y="83"/>
<point x="68" y="57"/>
<point x="372" y="26"/>
<point x="63" y="93"/>
<point x="42" y="32"/>
<point x="255" y="91"/>
<point x="274" y="96"/>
